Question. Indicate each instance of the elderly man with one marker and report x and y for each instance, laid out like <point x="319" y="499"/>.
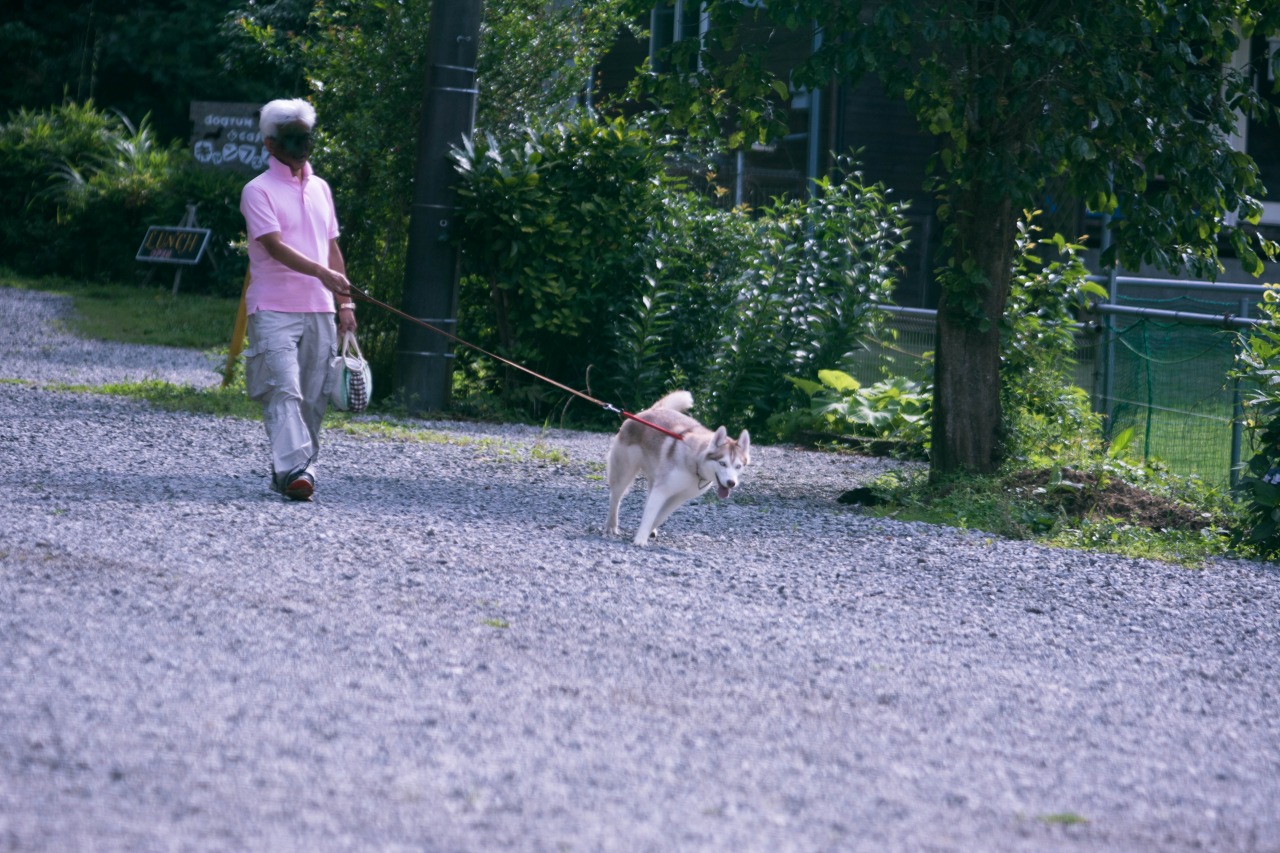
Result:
<point x="295" y="271"/>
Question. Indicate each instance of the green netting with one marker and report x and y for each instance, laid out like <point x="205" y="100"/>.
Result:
<point x="1169" y="380"/>
<point x="1169" y="384"/>
<point x="900" y="352"/>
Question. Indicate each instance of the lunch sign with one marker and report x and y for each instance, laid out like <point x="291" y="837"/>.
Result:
<point x="173" y="244"/>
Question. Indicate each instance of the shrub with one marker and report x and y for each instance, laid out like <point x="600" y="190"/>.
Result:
<point x="555" y="229"/>
<point x="673" y="334"/>
<point x="812" y="271"/>
<point x="595" y="269"/>
<point x="1258" y="365"/>
<point x="1048" y="419"/>
<point x="1046" y="416"/>
<point x="81" y="186"/>
<point x="34" y="146"/>
<point x="892" y="414"/>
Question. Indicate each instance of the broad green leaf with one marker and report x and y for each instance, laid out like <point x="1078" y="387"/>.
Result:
<point x="808" y="386"/>
<point x="839" y="380"/>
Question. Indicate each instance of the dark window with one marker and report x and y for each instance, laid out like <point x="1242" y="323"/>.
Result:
<point x="673" y="22"/>
<point x="1263" y="140"/>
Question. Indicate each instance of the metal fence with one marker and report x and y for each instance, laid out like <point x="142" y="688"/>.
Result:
<point x="1155" y="358"/>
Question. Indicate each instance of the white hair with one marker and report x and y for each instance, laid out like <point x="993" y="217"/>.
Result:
<point x="285" y="111"/>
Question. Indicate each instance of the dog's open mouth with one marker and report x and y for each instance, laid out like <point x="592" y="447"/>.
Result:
<point x="722" y="492"/>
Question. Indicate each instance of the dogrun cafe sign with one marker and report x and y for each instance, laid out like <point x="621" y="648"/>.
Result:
<point x="225" y="136"/>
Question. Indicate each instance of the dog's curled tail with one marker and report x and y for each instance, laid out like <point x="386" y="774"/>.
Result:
<point x="681" y="401"/>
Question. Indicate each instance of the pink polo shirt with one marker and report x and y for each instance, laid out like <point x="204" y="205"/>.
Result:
<point x="301" y="209"/>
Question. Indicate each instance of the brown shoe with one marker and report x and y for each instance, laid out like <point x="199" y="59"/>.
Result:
<point x="301" y="487"/>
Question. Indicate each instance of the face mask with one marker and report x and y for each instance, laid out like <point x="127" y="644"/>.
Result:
<point x="295" y="144"/>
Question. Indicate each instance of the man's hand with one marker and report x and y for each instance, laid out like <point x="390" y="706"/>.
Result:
<point x="332" y="277"/>
<point x="1272" y="477"/>
<point x="346" y="321"/>
<point x="334" y="281"/>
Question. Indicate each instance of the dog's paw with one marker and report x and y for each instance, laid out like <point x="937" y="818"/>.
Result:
<point x="642" y="540"/>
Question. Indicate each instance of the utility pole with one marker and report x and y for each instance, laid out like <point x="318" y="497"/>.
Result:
<point x="424" y="362"/>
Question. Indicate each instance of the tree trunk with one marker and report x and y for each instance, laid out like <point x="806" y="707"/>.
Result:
<point x="966" y="416"/>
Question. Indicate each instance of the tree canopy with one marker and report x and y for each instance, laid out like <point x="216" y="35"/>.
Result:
<point x="133" y="56"/>
<point x="1128" y="106"/>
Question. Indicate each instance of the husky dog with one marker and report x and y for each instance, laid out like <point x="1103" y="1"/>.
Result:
<point x="676" y="470"/>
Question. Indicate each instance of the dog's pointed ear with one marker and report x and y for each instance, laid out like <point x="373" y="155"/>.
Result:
<point x="744" y="441"/>
<point x="721" y="436"/>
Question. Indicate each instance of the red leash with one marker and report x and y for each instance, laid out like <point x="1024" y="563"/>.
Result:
<point x="608" y="407"/>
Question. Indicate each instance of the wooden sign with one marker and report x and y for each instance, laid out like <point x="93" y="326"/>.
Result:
<point x="225" y="136"/>
<point x="171" y="244"/>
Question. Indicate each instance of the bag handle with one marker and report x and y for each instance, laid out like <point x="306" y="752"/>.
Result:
<point x="349" y="341"/>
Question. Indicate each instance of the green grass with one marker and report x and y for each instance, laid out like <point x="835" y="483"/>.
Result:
<point x="990" y="505"/>
<point x="232" y="402"/>
<point x="1193" y="439"/>
<point x="492" y="448"/>
<point x="1064" y="819"/>
<point x="225" y="402"/>
<point x="137" y="315"/>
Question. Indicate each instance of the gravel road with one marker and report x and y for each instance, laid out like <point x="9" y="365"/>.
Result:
<point x="443" y="653"/>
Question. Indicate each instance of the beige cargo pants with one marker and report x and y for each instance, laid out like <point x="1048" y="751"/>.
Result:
<point x="286" y="369"/>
